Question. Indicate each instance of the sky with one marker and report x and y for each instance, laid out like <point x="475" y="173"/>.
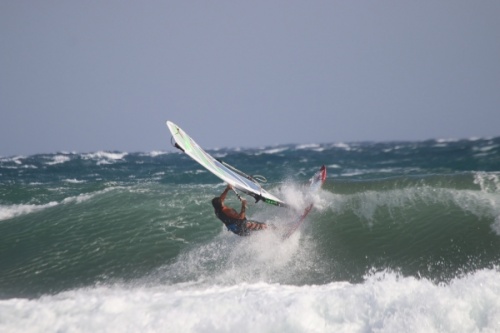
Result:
<point x="83" y="76"/>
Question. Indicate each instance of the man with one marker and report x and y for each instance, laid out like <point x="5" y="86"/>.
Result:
<point x="234" y="221"/>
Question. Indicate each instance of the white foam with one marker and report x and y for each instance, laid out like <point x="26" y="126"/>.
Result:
<point x="310" y="146"/>
<point x="8" y="212"/>
<point x="154" y="153"/>
<point x="447" y="140"/>
<point x="485" y="149"/>
<point x="481" y="152"/>
<point x="354" y="172"/>
<point x="361" y="172"/>
<point x="82" y="197"/>
<point x="11" y="211"/>
<point x="496" y="226"/>
<point x="276" y="150"/>
<point x="342" y="145"/>
<point x="17" y="160"/>
<point x="220" y="155"/>
<point x="74" y="181"/>
<point x="334" y="166"/>
<point x="25" y="166"/>
<point x="58" y="159"/>
<point x="385" y="302"/>
<point x="103" y="157"/>
<point x="483" y="204"/>
<point x="489" y="182"/>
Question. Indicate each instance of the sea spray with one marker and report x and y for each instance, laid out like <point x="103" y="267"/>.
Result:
<point x="384" y="302"/>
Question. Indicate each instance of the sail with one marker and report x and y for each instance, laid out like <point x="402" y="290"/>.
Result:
<point x="238" y="180"/>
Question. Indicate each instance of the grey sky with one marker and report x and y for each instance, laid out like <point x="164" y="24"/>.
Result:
<point x="105" y="75"/>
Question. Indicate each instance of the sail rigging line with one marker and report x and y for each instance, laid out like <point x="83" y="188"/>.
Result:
<point x="241" y="173"/>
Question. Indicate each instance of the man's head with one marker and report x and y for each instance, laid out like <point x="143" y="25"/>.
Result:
<point x="216" y="202"/>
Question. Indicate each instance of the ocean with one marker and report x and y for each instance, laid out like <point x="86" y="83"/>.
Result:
<point x="404" y="237"/>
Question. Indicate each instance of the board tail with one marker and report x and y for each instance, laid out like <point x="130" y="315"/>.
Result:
<point x="314" y="185"/>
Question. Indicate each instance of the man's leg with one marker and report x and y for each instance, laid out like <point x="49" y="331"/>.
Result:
<point x="254" y="225"/>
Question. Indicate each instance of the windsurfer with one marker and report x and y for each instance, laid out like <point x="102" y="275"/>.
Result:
<point x="234" y="221"/>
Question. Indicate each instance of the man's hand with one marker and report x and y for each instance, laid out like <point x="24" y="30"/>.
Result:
<point x="243" y="208"/>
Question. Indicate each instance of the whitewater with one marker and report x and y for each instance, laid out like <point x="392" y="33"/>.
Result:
<point x="404" y="237"/>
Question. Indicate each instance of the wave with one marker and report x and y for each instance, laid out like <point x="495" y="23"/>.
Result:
<point x="311" y="146"/>
<point x="272" y="151"/>
<point x="59" y="159"/>
<point x="15" y="162"/>
<point x="10" y="211"/>
<point x="103" y="157"/>
<point x="369" y="204"/>
<point x="73" y="181"/>
<point x="383" y="302"/>
<point x="401" y="207"/>
<point x="15" y="159"/>
<point x="154" y="153"/>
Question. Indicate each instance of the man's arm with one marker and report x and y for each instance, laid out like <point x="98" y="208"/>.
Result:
<point x="224" y="194"/>
<point x="243" y="209"/>
<point x="232" y="213"/>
